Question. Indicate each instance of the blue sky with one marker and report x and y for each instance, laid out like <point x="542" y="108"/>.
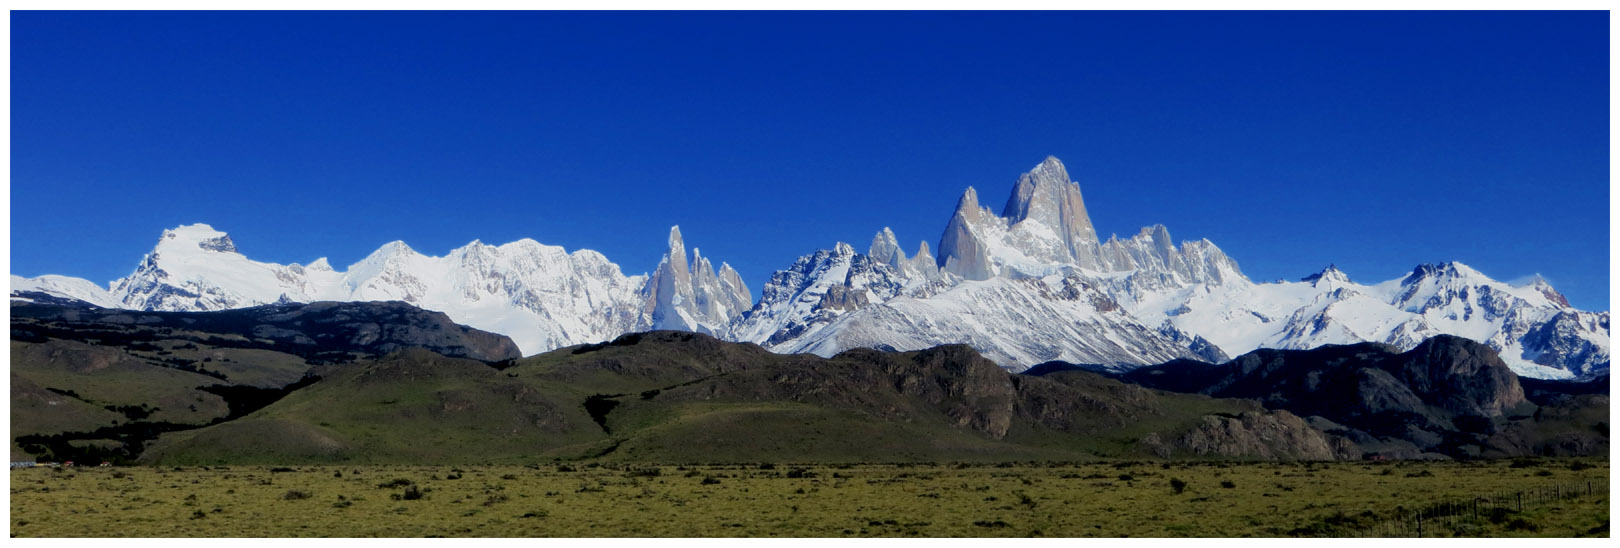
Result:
<point x="1375" y="141"/>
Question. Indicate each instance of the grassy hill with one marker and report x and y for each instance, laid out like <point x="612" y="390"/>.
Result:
<point x="91" y="383"/>
<point x="685" y="397"/>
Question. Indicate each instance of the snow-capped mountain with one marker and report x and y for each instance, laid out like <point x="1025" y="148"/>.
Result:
<point x="1034" y="283"/>
<point x="64" y="286"/>
<point x="1031" y="284"/>
<point x="541" y="296"/>
<point x="693" y="297"/>
<point x="835" y="300"/>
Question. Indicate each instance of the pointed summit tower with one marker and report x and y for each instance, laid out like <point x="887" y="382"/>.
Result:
<point x="964" y="249"/>
<point x="693" y="297"/>
<point x="1044" y="225"/>
<point x="1046" y="196"/>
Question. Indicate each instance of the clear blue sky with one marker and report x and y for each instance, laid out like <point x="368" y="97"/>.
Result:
<point x="1375" y="141"/>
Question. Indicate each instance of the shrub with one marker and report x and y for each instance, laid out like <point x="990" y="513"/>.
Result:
<point x="798" y="473"/>
<point x="1227" y="484"/>
<point x="295" y="495"/>
<point x="1177" y="485"/>
<point x="1520" y="524"/>
<point x="397" y="482"/>
<point x="709" y="480"/>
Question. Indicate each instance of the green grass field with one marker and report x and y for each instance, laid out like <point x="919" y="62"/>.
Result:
<point x="1120" y="499"/>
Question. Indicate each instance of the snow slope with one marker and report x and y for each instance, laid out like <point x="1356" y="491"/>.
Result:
<point x="542" y="296"/>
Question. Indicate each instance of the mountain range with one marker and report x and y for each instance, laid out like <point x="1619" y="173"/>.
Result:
<point x="386" y="382"/>
<point x="1033" y="283"/>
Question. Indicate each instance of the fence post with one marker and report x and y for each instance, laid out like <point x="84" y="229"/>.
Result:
<point x="1520" y="500"/>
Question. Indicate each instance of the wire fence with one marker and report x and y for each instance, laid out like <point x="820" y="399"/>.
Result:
<point x="1494" y="507"/>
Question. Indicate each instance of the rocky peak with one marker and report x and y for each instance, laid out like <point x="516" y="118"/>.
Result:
<point x="968" y="204"/>
<point x="692" y="296"/>
<point x="195" y="236"/>
<point x="886" y="249"/>
<point x="1541" y="285"/>
<point x="962" y="250"/>
<point x="1460" y="375"/>
<point x="1045" y="195"/>
<point x="1329" y="275"/>
<point x="677" y="252"/>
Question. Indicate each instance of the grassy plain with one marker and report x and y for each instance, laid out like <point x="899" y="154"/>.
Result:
<point x="1134" y="499"/>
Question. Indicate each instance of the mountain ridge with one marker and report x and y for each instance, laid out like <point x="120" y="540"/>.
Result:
<point x="1029" y="285"/>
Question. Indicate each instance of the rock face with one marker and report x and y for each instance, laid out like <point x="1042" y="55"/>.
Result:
<point x="1274" y="436"/>
<point x="316" y="330"/>
<point x="1448" y="395"/>
<point x="1046" y="197"/>
<point x="695" y="297"/>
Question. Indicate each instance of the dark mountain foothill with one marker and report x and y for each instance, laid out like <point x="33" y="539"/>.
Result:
<point x="104" y="381"/>
<point x="386" y="383"/>
<point x="1449" y="396"/>
<point x="669" y="396"/>
<point x="335" y="331"/>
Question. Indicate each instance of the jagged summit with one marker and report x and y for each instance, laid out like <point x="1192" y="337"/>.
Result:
<point x="1045" y="195"/>
<point x="1331" y="274"/>
<point x="542" y="296"/>
<point x="885" y="249"/>
<point x="675" y="241"/>
<point x="693" y="296"/>
<point x="1028" y="285"/>
<point x="969" y="202"/>
<point x="1038" y="271"/>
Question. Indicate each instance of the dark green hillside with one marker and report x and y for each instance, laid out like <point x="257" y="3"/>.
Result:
<point x="91" y="383"/>
<point x="411" y="406"/>
<point x="684" y="397"/>
<point x="1448" y="396"/>
<point x="636" y="362"/>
